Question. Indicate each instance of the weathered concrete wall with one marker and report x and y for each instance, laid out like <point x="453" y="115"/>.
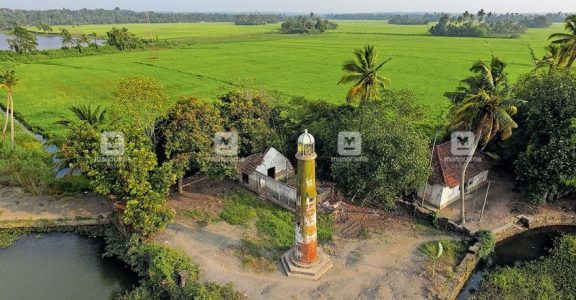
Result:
<point x="430" y="217"/>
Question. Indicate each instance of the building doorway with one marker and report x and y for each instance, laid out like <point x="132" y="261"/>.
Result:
<point x="272" y="172"/>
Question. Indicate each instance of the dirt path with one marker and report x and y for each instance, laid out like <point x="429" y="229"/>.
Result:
<point x="15" y="206"/>
<point x="385" y="266"/>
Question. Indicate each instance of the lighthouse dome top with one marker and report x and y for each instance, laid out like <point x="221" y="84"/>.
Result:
<point x="306" y="143"/>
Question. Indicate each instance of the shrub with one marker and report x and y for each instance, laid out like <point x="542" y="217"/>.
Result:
<point x="159" y="268"/>
<point x="548" y="278"/>
<point x="487" y="243"/>
<point x="26" y="165"/>
<point x="9" y="236"/>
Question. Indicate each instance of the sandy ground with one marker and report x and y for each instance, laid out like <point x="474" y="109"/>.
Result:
<point x="385" y="265"/>
<point x="502" y="205"/>
<point x="18" y="206"/>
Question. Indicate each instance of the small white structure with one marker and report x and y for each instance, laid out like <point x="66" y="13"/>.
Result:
<point x="443" y="186"/>
<point x="268" y="174"/>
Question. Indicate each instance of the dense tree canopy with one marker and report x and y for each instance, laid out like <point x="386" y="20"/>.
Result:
<point x="255" y="19"/>
<point x="548" y="148"/>
<point x="122" y="39"/>
<point x="469" y="25"/>
<point x="251" y="115"/>
<point x="307" y="24"/>
<point x="22" y="40"/>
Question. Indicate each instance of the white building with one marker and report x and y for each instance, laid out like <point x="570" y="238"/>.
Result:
<point x="268" y="175"/>
<point x="443" y="187"/>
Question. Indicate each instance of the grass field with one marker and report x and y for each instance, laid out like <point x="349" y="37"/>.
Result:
<point x="224" y="56"/>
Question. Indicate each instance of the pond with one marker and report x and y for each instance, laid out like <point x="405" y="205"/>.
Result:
<point x="61" y="266"/>
<point x="45" y="42"/>
<point x="526" y="246"/>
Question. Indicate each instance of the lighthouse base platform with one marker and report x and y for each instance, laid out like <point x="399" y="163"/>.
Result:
<point x="309" y="271"/>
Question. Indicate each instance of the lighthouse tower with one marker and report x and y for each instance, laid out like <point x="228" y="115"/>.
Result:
<point x="306" y="260"/>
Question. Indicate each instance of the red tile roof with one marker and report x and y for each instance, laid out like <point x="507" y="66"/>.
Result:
<point x="446" y="167"/>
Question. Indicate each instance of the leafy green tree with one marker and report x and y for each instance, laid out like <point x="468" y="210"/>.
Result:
<point x="7" y="81"/>
<point x="363" y="72"/>
<point x="546" y="164"/>
<point x="23" y="41"/>
<point x="139" y="101"/>
<point x="135" y="178"/>
<point x="567" y="41"/>
<point x="251" y="115"/>
<point x="487" y="113"/>
<point x="187" y="136"/>
<point x="122" y="39"/>
<point x="67" y="38"/>
<point x="383" y="173"/>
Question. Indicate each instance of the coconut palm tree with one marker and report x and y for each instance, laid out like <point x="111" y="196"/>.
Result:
<point x="490" y="78"/>
<point x="551" y="60"/>
<point x="363" y="72"/>
<point x="567" y="41"/>
<point x="7" y="81"/>
<point x="487" y="113"/>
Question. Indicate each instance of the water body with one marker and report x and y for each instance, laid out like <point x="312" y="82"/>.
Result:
<point x="527" y="246"/>
<point x="45" y="42"/>
<point x="58" y="266"/>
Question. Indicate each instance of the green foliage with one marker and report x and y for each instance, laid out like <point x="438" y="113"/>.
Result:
<point x="548" y="148"/>
<point x="71" y="184"/>
<point x="251" y="114"/>
<point x="385" y="127"/>
<point x="140" y="100"/>
<point x="9" y="236"/>
<point x="363" y="72"/>
<point x="23" y="41"/>
<point x="326" y="228"/>
<point x="307" y="24"/>
<point x="255" y="19"/>
<point x="187" y="137"/>
<point x="134" y="177"/>
<point x="487" y="243"/>
<point x="122" y="39"/>
<point x="466" y="25"/>
<point x="547" y="278"/>
<point x="160" y="268"/>
<point x="27" y="165"/>
<point x="566" y="42"/>
<point x="453" y="251"/>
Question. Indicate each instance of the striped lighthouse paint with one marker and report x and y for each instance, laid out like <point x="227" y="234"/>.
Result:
<point x="306" y="237"/>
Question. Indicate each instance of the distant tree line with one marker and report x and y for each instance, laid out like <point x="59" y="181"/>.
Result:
<point x="307" y="24"/>
<point x="9" y="18"/>
<point x="256" y="19"/>
<point x="480" y="25"/>
<point x="408" y="20"/>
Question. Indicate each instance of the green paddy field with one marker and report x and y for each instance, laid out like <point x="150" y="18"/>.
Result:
<point x="213" y="58"/>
